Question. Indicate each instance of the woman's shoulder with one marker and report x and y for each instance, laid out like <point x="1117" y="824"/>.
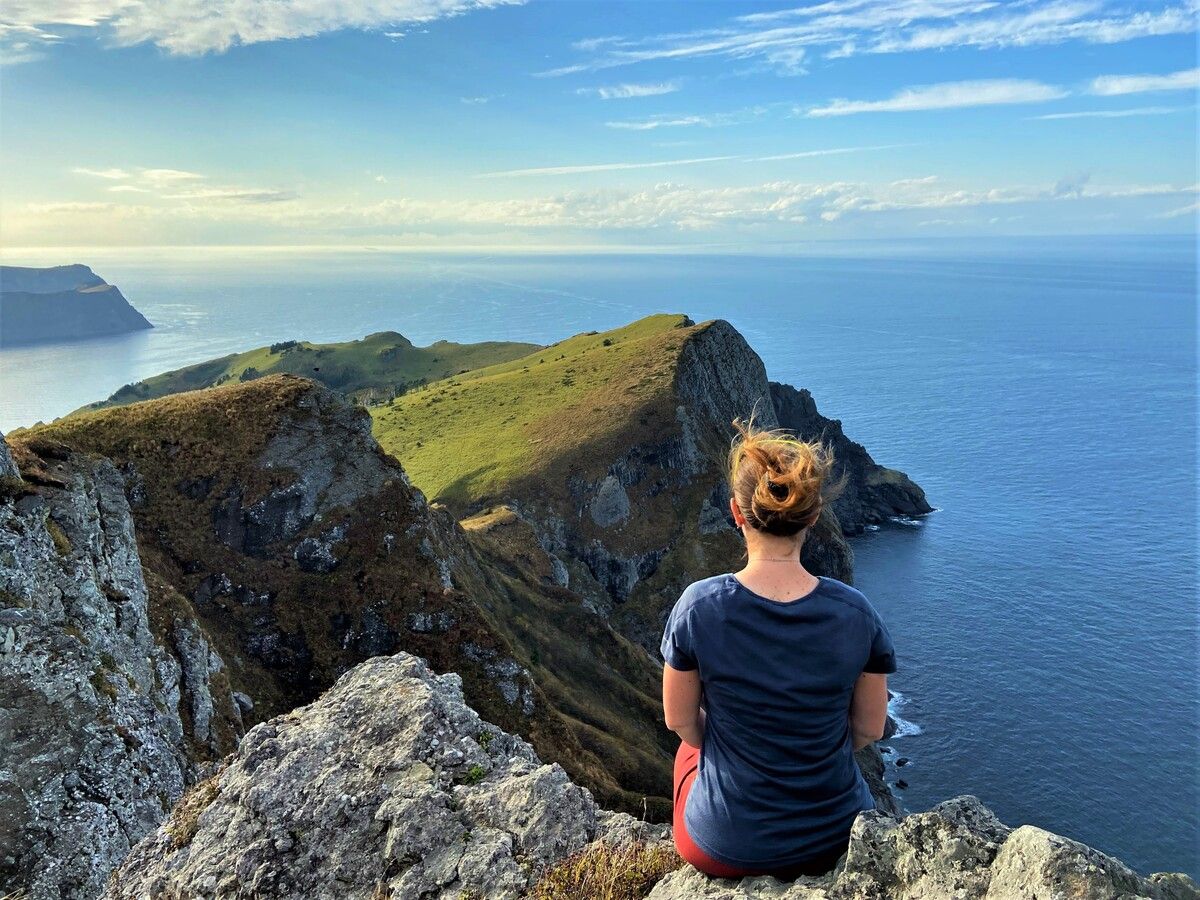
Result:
<point x="706" y="590"/>
<point x="848" y="595"/>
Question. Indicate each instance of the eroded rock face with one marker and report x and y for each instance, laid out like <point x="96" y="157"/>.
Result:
<point x="388" y="785"/>
<point x="873" y="493"/>
<point x="100" y="724"/>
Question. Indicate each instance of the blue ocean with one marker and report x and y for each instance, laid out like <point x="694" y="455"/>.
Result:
<point x="1042" y="391"/>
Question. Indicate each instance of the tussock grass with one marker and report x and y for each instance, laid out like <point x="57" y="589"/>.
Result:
<point x="605" y="872"/>
<point x="185" y="818"/>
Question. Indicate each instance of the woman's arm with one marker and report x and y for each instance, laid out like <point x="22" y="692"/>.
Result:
<point x="868" y="709"/>
<point x="681" y="704"/>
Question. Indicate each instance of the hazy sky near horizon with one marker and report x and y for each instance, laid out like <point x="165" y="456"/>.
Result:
<point x="484" y="123"/>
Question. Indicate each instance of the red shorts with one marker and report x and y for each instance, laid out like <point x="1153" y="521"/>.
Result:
<point x="687" y="761"/>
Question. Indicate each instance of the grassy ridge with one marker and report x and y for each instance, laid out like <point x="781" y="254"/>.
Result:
<point x="463" y="438"/>
<point x="372" y="369"/>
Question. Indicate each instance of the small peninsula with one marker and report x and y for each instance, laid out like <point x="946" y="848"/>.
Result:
<point x="61" y="303"/>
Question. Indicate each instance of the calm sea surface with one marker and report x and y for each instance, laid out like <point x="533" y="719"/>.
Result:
<point x="1043" y="392"/>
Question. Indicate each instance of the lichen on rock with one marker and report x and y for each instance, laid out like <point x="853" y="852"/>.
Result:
<point x="385" y="786"/>
<point x="98" y="720"/>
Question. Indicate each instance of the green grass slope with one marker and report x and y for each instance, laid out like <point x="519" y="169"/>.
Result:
<point x="373" y="369"/>
<point x="466" y="438"/>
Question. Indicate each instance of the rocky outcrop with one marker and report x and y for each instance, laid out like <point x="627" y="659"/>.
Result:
<point x="871" y="492"/>
<point x="387" y="786"/>
<point x="390" y="786"/>
<point x="61" y="303"/>
<point x="958" y="849"/>
<point x="102" y="718"/>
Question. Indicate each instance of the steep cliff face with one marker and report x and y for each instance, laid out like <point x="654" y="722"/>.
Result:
<point x="872" y="492"/>
<point x="104" y="713"/>
<point x="269" y="518"/>
<point x="389" y="786"/>
<point x="61" y="303"/>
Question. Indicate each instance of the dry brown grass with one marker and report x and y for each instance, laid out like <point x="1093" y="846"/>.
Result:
<point x="605" y="872"/>
<point x="185" y="818"/>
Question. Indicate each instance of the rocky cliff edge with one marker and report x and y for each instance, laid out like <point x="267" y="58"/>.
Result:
<point x="390" y="786"/>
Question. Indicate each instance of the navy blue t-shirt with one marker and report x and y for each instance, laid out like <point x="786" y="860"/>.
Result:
<point x="777" y="782"/>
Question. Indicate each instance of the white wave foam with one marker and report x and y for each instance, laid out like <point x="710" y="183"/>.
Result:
<point x="903" y="726"/>
<point x="906" y="520"/>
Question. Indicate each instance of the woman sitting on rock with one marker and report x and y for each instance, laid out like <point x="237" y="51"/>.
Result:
<point x="773" y="678"/>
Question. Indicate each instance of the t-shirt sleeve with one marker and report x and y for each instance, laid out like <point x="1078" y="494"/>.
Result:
<point x="882" y="660"/>
<point x="678" y="649"/>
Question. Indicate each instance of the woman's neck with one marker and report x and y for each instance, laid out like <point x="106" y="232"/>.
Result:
<point x="773" y="569"/>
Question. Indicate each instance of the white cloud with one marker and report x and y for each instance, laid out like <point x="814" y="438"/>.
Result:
<point x="947" y="95"/>
<point x="1190" y="210"/>
<point x="113" y="174"/>
<point x="663" y="122"/>
<point x="712" y="120"/>
<point x="782" y="38"/>
<point x="1114" y="113"/>
<point x="667" y="207"/>
<point x="179" y="184"/>
<point x="631" y="91"/>
<point x="192" y="27"/>
<point x="601" y="167"/>
<point x="1114" y="85"/>
<point x="233" y="195"/>
<point x="1050" y="23"/>
<point x="71" y="207"/>
<point x="166" y="177"/>
<point x="832" y="151"/>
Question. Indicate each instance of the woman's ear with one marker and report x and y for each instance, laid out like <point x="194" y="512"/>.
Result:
<point x="738" y="519"/>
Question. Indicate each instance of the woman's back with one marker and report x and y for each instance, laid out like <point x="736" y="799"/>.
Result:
<point x="777" y="782"/>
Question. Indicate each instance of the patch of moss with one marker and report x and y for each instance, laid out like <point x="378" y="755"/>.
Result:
<point x="11" y="487"/>
<point x="605" y="872"/>
<point x="62" y="544"/>
<point x="475" y="774"/>
<point x="102" y="685"/>
<point x="12" y="601"/>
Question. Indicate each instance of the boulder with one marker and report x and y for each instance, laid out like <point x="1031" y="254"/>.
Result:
<point x="388" y="785"/>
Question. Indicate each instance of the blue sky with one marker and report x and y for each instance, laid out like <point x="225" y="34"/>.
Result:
<point x="454" y="123"/>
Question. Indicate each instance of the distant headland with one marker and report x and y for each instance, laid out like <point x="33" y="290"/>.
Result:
<point x="61" y="303"/>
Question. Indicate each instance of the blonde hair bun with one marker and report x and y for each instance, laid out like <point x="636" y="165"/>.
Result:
<point x="778" y="480"/>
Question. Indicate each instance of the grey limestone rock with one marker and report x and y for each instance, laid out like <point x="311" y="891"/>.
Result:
<point x="93" y="747"/>
<point x="611" y="504"/>
<point x="958" y="850"/>
<point x="388" y="785"/>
